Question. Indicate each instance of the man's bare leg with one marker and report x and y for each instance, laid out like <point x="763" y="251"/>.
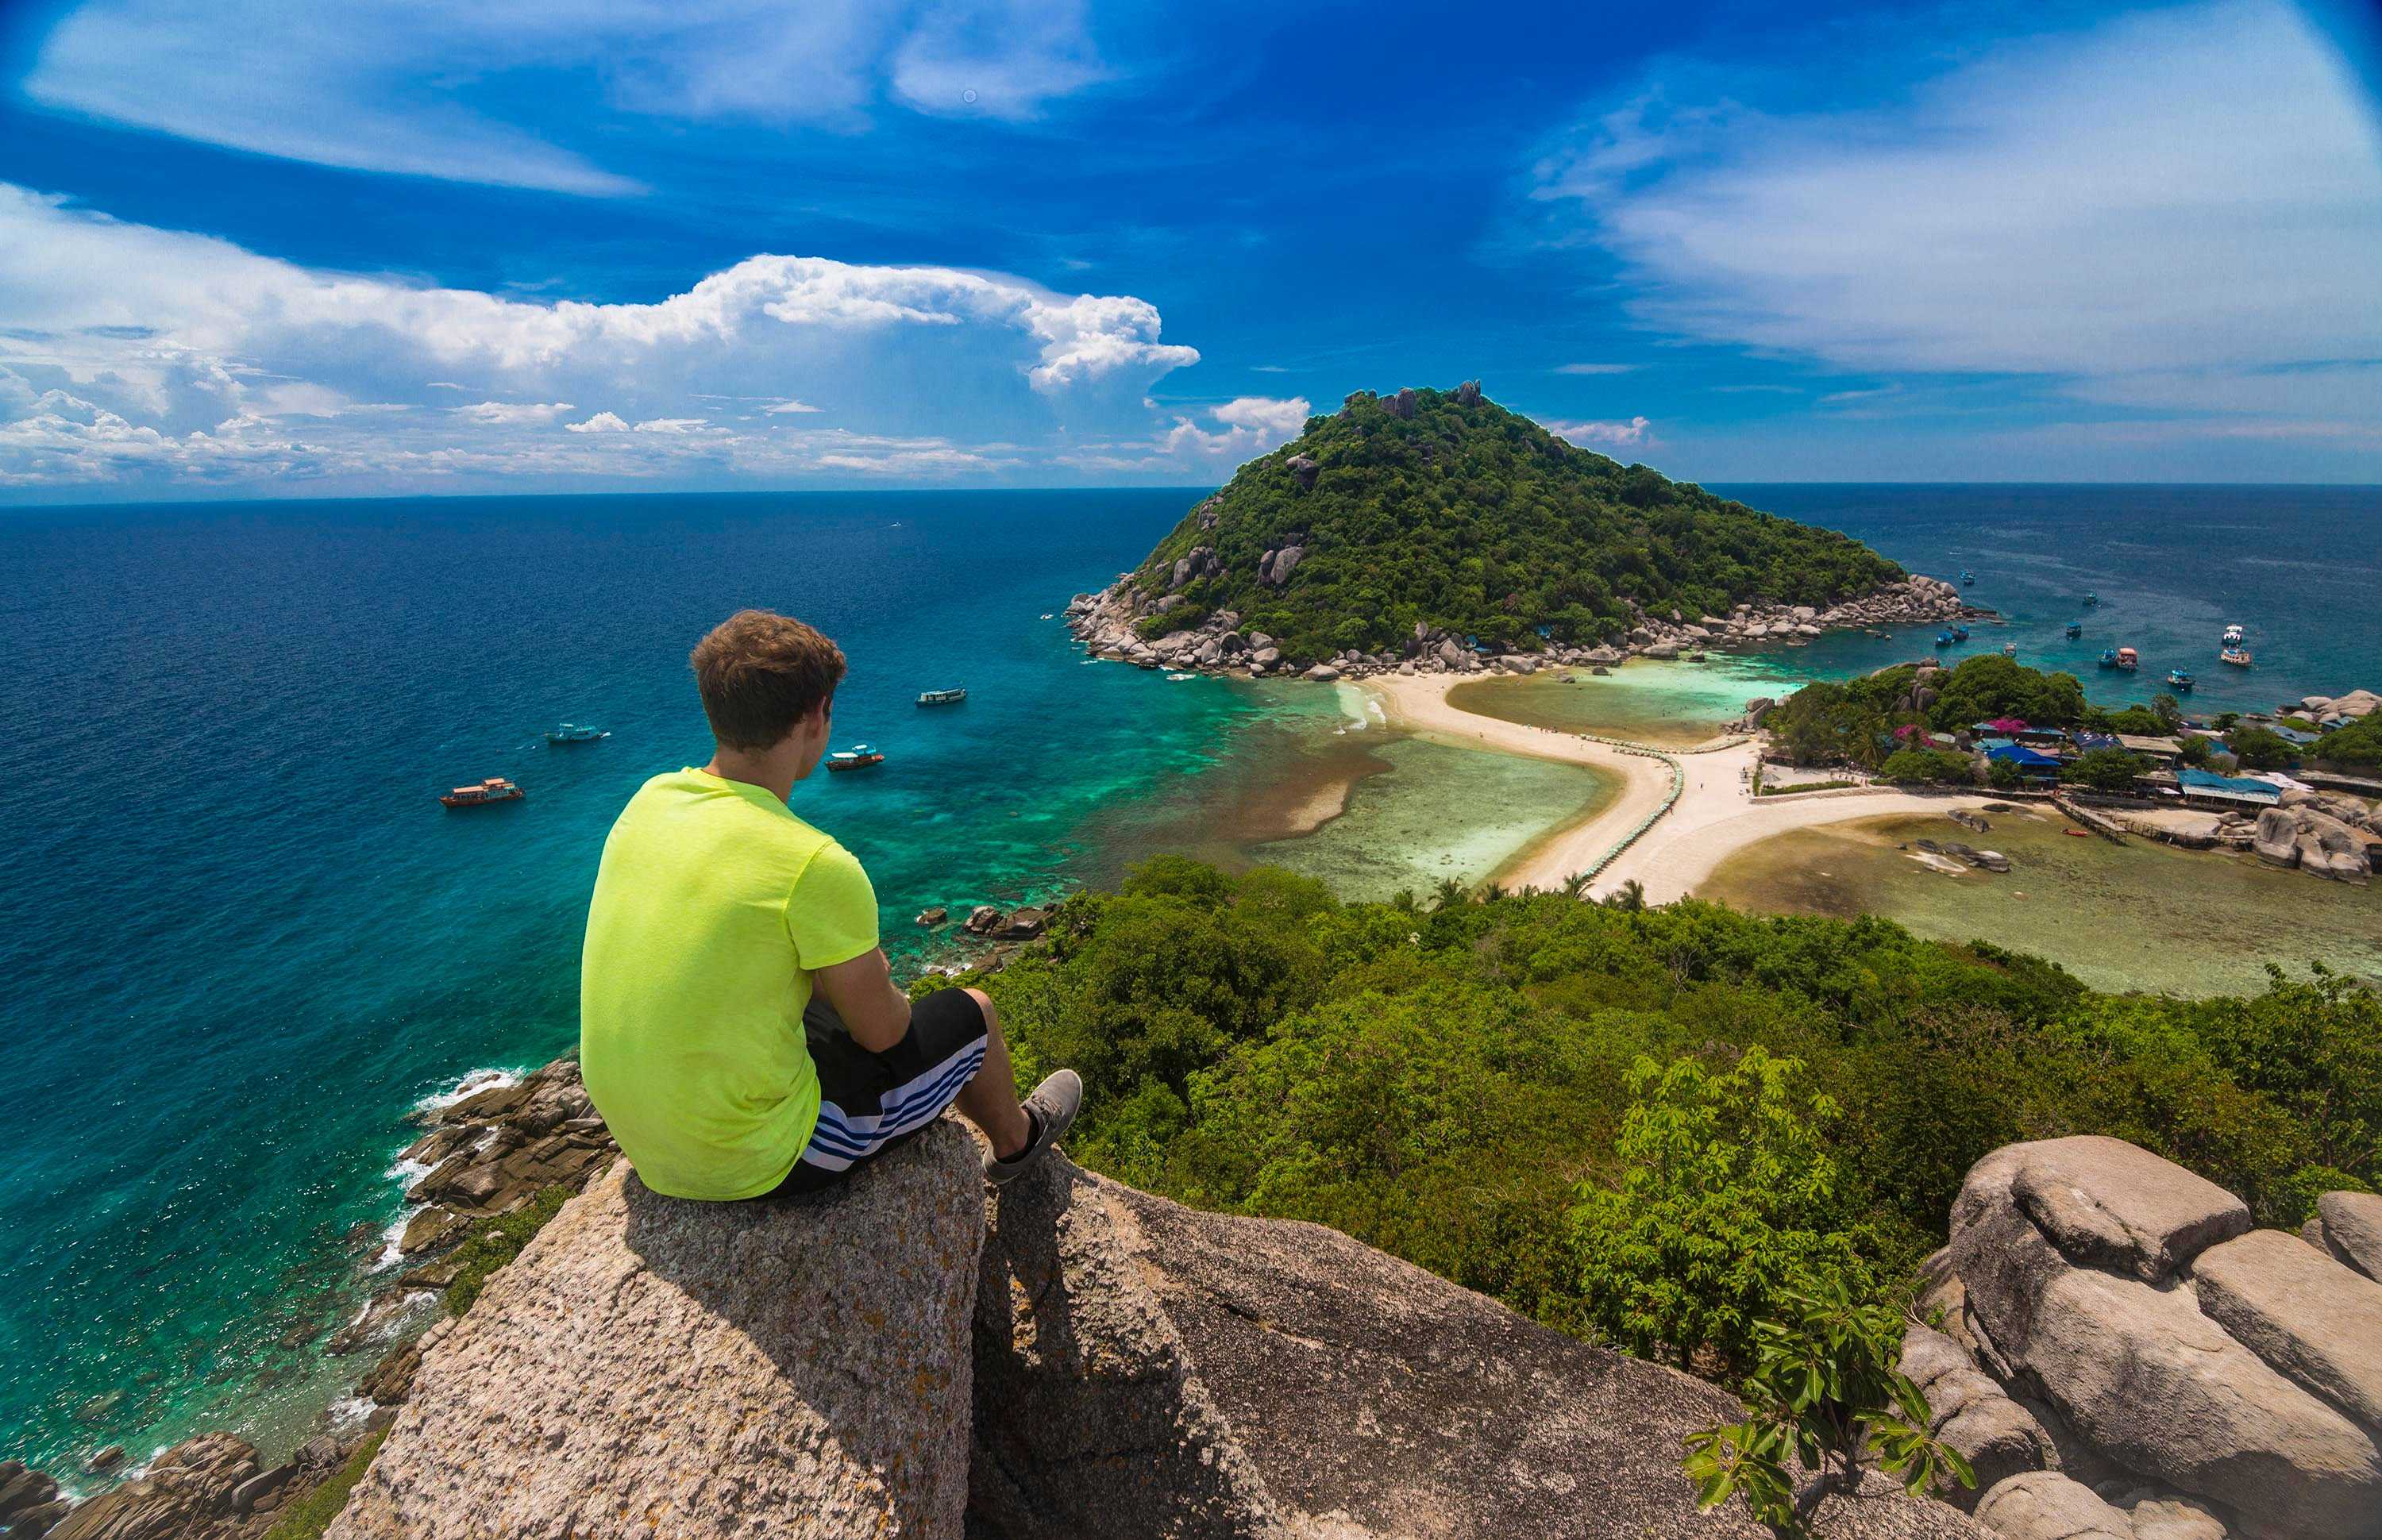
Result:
<point x="990" y="1098"/>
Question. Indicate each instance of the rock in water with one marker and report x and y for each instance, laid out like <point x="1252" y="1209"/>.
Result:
<point x="186" y="1491"/>
<point x="1143" y="1369"/>
<point x="651" y="1366"/>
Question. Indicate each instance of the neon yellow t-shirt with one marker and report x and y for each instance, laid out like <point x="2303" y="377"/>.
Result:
<point x="713" y="907"/>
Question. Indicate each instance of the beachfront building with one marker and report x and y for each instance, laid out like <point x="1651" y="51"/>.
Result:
<point x="2165" y="750"/>
<point x="2229" y="793"/>
<point x="2031" y="765"/>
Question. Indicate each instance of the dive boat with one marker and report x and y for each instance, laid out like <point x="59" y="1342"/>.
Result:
<point x="2129" y="660"/>
<point x="496" y="789"/>
<point x="941" y="697"/>
<point x="1960" y="634"/>
<point x="2009" y="649"/>
<point x="1942" y="639"/>
<point x="2092" y="601"/>
<point x="2239" y="657"/>
<point x="574" y="732"/>
<point x="860" y="756"/>
<point x="2233" y="636"/>
<point x="2180" y="680"/>
<point x="2108" y="657"/>
<point x="2075" y="629"/>
<point x="1967" y="577"/>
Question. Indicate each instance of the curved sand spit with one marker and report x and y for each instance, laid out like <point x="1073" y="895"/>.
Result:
<point x="1715" y="816"/>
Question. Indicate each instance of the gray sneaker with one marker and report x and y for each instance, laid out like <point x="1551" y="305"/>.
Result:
<point x="1052" y="1105"/>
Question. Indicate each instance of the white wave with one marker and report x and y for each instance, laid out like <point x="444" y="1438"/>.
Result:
<point x="348" y="1410"/>
<point x="470" y="1085"/>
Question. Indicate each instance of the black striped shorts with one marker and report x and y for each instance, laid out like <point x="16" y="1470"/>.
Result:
<point x="870" y="1102"/>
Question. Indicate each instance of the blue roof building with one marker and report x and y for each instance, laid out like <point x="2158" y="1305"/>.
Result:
<point x="2227" y="789"/>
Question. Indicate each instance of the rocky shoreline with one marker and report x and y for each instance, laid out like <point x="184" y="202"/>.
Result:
<point x="486" y="1155"/>
<point x="1109" y="625"/>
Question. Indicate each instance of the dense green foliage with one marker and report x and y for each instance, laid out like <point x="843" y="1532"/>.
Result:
<point x="1442" y="1084"/>
<point x="1929" y="766"/>
<point x="2355" y="747"/>
<point x="1727" y="1202"/>
<point x="2258" y="749"/>
<point x="2105" y="769"/>
<point x="498" y="1241"/>
<point x="307" y="1517"/>
<point x="1825" y="1391"/>
<point x="1471" y="518"/>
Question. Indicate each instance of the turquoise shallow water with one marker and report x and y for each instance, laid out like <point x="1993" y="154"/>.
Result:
<point x="240" y="939"/>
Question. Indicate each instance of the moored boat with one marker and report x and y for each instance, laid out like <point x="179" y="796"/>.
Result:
<point x="941" y="697"/>
<point x="1967" y="577"/>
<point x="2129" y="660"/>
<point x="2092" y="601"/>
<point x="2009" y="649"/>
<point x="494" y="789"/>
<point x="2237" y="656"/>
<point x="2075" y="629"/>
<point x="2108" y="657"/>
<point x="1960" y="634"/>
<point x="575" y="732"/>
<point x="860" y="756"/>
<point x="2177" y="679"/>
<point x="1942" y="639"/>
<point x="2233" y="636"/>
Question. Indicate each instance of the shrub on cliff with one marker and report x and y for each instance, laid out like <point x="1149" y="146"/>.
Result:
<point x="1926" y="767"/>
<point x="2104" y="769"/>
<point x="1463" y="515"/>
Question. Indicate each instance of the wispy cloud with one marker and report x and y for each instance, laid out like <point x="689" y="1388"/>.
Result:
<point x="1630" y="431"/>
<point x="141" y="355"/>
<point x="1594" y="368"/>
<point x="2169" y="209"/>
<point x="387" y="85"/>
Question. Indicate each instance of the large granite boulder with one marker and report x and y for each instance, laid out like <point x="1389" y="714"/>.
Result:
<point x="1143" y="1369"/>
<point x="651" y="1366"/>
<point x="2349" y="1226"/>
<point x="2164" y="1344"/>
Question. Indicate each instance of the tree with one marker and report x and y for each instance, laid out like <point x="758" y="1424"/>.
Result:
<point x="1450" y="892"/>
<point x="1575" y="885"/>
<point x="2104" y="769"/>
<point x="2167" y="709"/>
<point x="1825" y="1390"/>
<point x="1725" y="1188"/>
<point x="1630" y="898"/>
<point x="2258" y="749"/>
<point x="1931" y="766"/>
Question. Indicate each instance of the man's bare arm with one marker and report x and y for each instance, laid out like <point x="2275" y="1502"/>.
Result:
<point x="877" y="1014"/>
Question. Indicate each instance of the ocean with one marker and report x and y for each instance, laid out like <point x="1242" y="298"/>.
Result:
<point x="241" y="939"/>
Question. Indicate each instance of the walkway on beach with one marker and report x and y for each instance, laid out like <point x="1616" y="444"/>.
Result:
<point x="1715" y="814"/>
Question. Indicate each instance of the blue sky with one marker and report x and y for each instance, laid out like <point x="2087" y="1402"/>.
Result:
<point x="253" y="248"/>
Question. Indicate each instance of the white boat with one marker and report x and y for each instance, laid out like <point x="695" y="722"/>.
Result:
<point x="2234" y="636"/>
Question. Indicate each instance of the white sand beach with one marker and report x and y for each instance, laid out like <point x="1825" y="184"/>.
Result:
<point x="1715" y="816"/>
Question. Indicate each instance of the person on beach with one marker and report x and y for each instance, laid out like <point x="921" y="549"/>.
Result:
<point x="740" y="1029"/>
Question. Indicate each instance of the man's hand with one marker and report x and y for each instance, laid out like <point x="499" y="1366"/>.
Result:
<point x="877" y="1014"/>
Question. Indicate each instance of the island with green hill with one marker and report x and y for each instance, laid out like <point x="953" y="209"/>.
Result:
<point x="1430" y="529"/>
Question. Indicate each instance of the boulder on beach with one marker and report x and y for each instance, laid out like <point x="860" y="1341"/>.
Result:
<point x="186" y="1491"/>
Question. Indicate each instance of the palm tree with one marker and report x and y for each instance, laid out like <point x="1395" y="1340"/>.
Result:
<point x="1491" y="892"/>
<point x="1450" y="892"/>
<point x="1630" y="898"/>
<point x="1575" y="885"/>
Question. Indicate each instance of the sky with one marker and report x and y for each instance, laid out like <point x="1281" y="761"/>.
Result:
<point x="258" y="248"/>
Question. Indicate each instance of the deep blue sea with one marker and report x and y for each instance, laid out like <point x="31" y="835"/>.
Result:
<point x="239" y="938"/>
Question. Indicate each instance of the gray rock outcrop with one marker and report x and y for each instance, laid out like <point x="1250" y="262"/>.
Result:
<point x="651" y="1366"/>
<point x="1143" y="1369"/>
<point x="2349" y="1227"/>
<point x="2182" y="1369"/>
<point x="186" y="1491"/>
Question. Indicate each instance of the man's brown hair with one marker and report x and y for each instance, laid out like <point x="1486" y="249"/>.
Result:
<point x="760" y="673"/>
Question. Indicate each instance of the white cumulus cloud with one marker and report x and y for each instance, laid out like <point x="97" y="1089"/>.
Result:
<point x="1628" y="430"/>
<point x="160" y="351"/>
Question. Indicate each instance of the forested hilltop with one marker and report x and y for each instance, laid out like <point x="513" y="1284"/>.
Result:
<point x="1445" y="509"/>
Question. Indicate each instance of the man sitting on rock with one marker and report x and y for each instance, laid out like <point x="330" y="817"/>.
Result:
<point x="740" y="1030"/>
